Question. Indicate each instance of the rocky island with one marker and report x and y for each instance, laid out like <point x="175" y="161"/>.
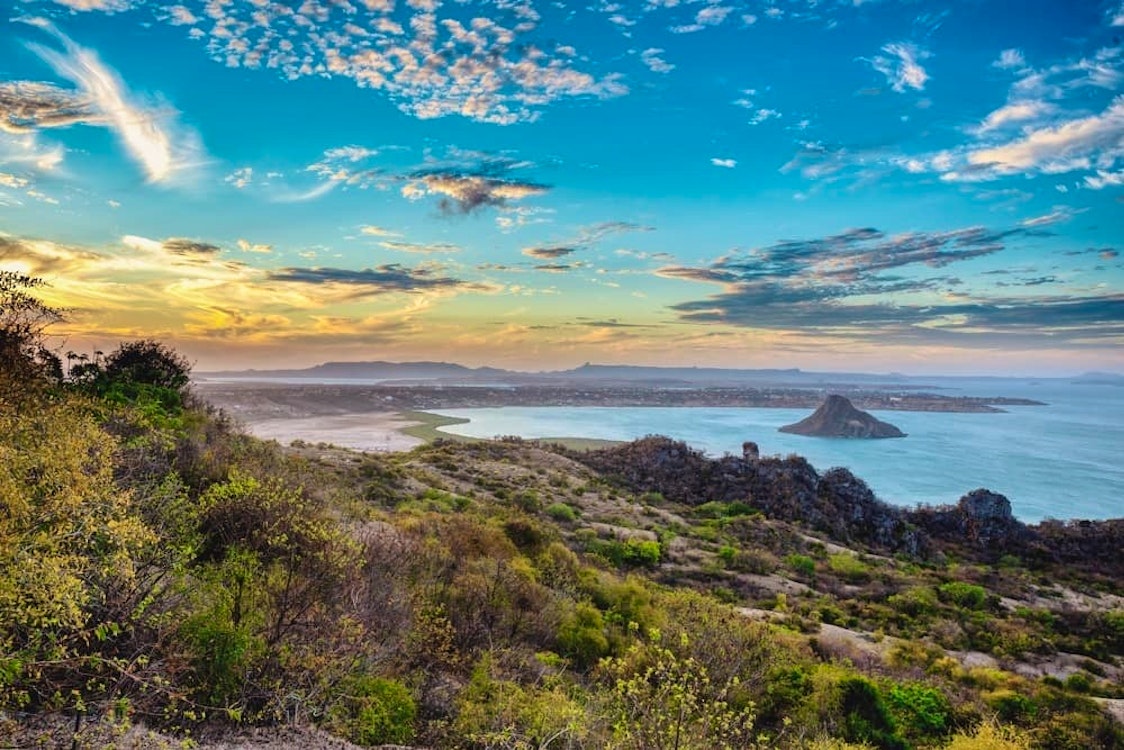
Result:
<point x="837" y="417"/>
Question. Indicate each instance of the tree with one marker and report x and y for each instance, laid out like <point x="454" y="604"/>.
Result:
<point x="24" y="360"/>
<point x="148" y="362"/>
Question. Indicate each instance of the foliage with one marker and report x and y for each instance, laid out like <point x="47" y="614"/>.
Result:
<point x="374" y="711"/>
<point x="662" y="698"/>
<point x="966" y="595"/>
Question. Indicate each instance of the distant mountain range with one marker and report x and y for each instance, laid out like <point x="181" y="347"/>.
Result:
<point x="447" y="373"/>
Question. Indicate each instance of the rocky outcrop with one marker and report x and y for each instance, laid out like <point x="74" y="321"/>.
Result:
<point x="837" y="417"/>
<point x="787" y="489"/>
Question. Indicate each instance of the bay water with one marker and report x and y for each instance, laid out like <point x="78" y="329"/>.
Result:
<point x="1062" y="460"/>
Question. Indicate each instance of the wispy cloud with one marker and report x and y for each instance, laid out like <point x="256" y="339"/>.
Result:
<point x="902" y="67"/>
<point x="1010" y="59"/>
<point x="149" y="134"/>
<point x="727" y="163"/>
<point x="106" y="6"/>
<point x="377" y="231"/>
<point x="419" y="247"/>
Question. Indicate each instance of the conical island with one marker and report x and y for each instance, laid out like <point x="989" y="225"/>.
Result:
<point x="837" y="417"/>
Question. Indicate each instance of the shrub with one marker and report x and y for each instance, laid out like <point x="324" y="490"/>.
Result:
<point x="866" y="718"/>
<point x="374" y="711"/>
<point x="966" y="595"/>
<point x="849" y="567"/>
<point x="801" y="564"/>
<point x="581" y="636"/>
<point x="988" y="736"/>
<point x="921" y="708"/>
<point x="562" y="512"/>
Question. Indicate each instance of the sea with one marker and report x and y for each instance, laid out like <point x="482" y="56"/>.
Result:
<point x="1063" y="460"/>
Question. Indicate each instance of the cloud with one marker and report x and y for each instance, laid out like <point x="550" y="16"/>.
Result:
<point x="549" y="251"/>
<point x="415" y="247"/>
<point x="1010" y="59"/>
<point x="465" y="193"/>
<point x="106" y="6"/>
<point x="585" y="238"/>
<point x="727" y="163"/>
<point x="1059" y="215"/>
<point x="240" y="178"/>
<point x="558" y="267"/>
<point x="1103" y="179"/>
<point x="656" y="64"/>
<point x="469" y="181"/>
<point x="761" y="115"/>
<point x="865" y="284"/>
<point x="1117" y="16"/>
<point x="249" y="247"/>
<point x="27" y="106"/>
<point x="712" y="15"/>
<point x="427" y="60"/>
<point x="12" y="181"/>
<point x="382" y="279"/>
<point x="148" y="134"/>
<point x="903" y="69"/>
<point x="1014" y="112"/>
<point x="376" y="231"/>
<point x="186" y="247"/>
<point x="1075" y="144"/>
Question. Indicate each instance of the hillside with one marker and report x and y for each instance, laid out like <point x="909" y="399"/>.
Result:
<point x="167" y="579"/>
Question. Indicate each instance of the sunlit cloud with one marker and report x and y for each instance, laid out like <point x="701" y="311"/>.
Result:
<point x="148" y="134"/>
<point x="433" y="65"/>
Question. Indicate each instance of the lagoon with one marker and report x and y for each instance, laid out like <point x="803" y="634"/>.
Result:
<point x="1062" y="460"/>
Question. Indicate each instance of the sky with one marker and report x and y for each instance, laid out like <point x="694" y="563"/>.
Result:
<point x="880" y="185"/>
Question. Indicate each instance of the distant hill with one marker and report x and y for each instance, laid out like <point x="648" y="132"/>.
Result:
<point x="587" y="373"/>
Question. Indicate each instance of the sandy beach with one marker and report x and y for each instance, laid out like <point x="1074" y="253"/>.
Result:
<point x="369" y="431"/>
<point x="313" y="414"/>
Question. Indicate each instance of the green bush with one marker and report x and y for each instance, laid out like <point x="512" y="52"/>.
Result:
<point x="581" y="636"/>
<point x="801" y="564"/>
<point x="866" y="718"/>
<point x="966" y="595"/>
<point x="922" y="709"/>
<point x="374" y="711"/>
<point x="849" y="567"/>
<point x="562" y="512"/>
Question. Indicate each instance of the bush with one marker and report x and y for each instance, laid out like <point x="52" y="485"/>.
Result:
<point x="866" y="718"/>
<point x="801" y="564"/>
<point x="581" y="635"/>
<point x="374" y="711"/>
<point x="966" y="595"/>
<point x="848" y="567"/>
<point x="922" y="709"/>
<point x="562" y="512"/>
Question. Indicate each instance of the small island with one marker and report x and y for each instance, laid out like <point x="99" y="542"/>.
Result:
<point x="837" y="417"/>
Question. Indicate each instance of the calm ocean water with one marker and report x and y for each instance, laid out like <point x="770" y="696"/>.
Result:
<point x="1063" y="460"/>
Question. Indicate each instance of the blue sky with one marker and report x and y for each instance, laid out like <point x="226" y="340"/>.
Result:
<point x="868" y="184"/>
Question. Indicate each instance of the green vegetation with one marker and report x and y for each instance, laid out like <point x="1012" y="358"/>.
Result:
<point x="158" y="567"/>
